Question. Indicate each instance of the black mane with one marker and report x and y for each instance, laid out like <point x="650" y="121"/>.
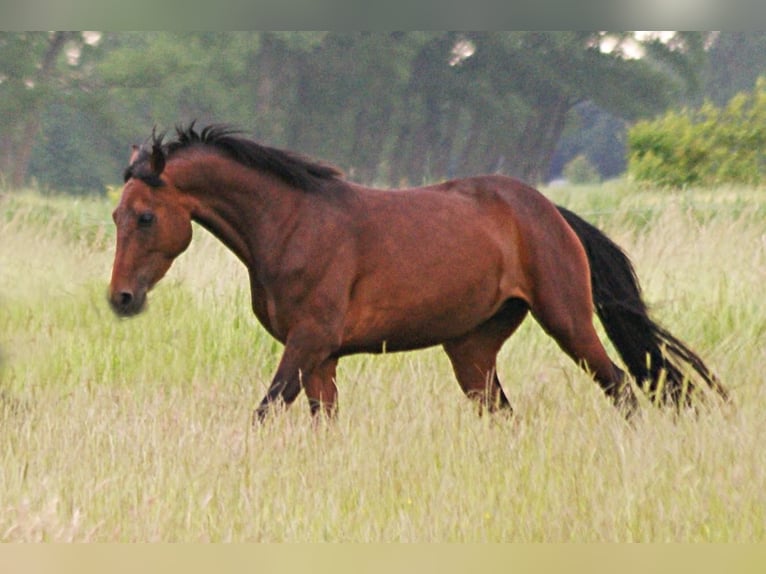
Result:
<point x="292" y="168"/>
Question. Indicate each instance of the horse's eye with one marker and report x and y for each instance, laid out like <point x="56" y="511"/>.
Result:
<point x="145" y="219"/>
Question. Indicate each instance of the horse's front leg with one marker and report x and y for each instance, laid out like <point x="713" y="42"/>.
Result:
<point x="306" y="359"/>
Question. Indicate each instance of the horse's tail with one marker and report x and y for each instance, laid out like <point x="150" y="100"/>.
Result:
<point x="653" y="356"/>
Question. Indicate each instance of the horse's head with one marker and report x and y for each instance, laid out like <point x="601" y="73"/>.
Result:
<point x="153" y="227"/>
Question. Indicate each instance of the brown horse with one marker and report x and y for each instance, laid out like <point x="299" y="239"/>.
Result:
<point x="337" y="268"/>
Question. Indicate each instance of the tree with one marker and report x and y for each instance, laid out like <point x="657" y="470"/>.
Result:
<point x="29" y="71"/>
<point x="396" y="107"/>
<point x="595" y="134"/>
<point x="338" y="95"/>
<point x="542" y="76"/>
<point x="736" y="60"/>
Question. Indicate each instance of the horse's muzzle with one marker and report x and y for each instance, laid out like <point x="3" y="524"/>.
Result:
<point x="127" y="303"/>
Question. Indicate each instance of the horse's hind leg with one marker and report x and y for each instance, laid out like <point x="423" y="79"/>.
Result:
<point x="321" y="390"/>
<point x="568" y="318"/>
<point x="474" y="355"/>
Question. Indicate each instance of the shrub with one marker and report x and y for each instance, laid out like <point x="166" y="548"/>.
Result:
<point x="708" y="146"/>
<point x="580" y="170"/>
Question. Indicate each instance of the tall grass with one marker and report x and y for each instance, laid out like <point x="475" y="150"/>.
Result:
<point x="138" y="430"/>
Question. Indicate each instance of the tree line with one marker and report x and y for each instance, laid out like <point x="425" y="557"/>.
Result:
<point x="391" y="108"/>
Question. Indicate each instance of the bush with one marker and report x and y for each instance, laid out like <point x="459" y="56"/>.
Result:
<point x="579" y="170"/>
<point x="708" y="146"/>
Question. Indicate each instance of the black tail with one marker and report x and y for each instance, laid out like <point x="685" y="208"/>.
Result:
<point x="650" y="353"/>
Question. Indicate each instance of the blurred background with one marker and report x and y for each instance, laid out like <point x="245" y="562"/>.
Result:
<point x="396" y="108"/>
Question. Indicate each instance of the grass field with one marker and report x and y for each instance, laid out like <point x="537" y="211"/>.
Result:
<point x="138" y="430"/>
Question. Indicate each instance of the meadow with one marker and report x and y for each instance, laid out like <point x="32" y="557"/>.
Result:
<point x="139" y="430"/>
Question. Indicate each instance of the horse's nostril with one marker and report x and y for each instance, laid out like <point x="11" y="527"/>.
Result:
<point x="126" y="303"/>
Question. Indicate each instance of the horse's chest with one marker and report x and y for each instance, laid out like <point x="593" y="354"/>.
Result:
<point x="265" y="310"/>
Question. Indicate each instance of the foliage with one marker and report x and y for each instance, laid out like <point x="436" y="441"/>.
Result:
<point x="707" y="146"/>
<point x="735" y="62"/>
<point x="579" y="170"/>
<point x="598" y="135"/>
<point x="394" y="107"/>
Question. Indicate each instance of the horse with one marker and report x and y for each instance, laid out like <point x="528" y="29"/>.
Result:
<point x="336" y="268"/>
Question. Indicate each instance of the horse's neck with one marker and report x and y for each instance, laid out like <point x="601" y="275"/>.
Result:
<point x="241" y="207"/>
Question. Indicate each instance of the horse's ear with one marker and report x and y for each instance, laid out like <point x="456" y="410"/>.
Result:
<point x="157" y="159"/>
<point x="134" y="150"/>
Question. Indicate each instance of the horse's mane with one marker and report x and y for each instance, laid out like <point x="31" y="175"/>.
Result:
<point x="292" y="168"/>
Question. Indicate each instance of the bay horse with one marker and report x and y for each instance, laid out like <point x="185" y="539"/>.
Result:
<point x="336" y="268"/>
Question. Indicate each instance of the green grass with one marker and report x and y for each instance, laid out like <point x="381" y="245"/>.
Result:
<point x="138" y="430"/>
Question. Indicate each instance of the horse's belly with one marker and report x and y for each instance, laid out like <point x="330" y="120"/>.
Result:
<point x="428" y="284"/>
<point x="416" y="323"/>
